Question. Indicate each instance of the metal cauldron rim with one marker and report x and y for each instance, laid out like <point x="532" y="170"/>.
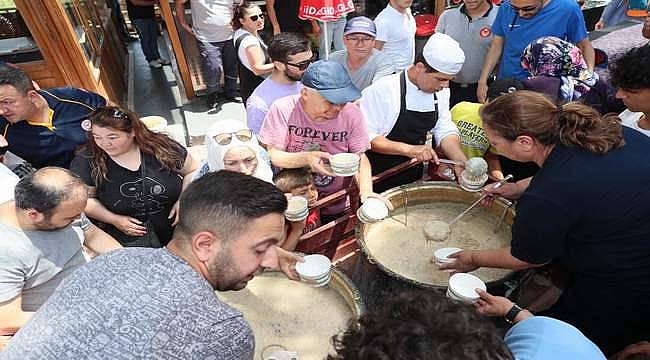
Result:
<point x="399" y="189"/>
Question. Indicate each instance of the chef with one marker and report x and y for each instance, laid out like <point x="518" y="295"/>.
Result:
<point x="400" y="110"/>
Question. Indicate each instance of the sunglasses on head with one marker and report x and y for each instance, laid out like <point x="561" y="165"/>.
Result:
<point x="255" y="17"/>
<point x="117" y="113"/>
<point x="243" y="135"/>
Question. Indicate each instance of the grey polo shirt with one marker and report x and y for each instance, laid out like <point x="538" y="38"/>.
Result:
<point x="474" y="37"/>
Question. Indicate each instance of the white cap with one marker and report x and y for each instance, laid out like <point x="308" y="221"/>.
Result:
<point x="444" y="54"/>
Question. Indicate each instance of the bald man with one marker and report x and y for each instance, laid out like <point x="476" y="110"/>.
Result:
<point x="43" y="231"/>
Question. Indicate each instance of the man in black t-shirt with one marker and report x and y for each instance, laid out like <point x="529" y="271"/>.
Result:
<point x="143" y="16"/>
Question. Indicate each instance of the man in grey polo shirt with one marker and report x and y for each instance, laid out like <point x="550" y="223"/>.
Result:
<point x="364" y="63"/>
<point x="471" y="25"/>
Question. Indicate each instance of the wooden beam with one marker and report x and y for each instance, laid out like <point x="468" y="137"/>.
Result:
<point x="55" y="36"/>
<point x="177" y="46"/>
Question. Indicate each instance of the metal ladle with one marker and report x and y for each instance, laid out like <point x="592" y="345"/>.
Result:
<point x="473" y="205"/>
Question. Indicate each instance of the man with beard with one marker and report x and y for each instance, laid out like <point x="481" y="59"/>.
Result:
<point x="160" y="303"/>
<point x="291" y="55"/>
<point x="43" y="232"/>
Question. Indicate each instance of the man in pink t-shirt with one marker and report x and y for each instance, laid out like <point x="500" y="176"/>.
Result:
<point x="306" y="129"/>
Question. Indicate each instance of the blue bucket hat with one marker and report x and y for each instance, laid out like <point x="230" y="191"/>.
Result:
<point x="332" y="82"/>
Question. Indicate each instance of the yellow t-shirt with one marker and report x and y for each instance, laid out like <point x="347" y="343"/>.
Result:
<point x="472" y="136"/>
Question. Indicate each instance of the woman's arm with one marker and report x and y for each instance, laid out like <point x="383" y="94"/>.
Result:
<point x="256" y="60"/>
<point x="126" y="224"/>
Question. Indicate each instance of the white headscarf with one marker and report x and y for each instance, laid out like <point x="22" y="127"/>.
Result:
<point x="217" y="152"/>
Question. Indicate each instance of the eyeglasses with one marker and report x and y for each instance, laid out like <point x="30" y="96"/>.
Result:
<point x="359" y="39"/>
<point x="525" y="9"/>
<point x="243" y="135"/>
<point x="255" y="17"/>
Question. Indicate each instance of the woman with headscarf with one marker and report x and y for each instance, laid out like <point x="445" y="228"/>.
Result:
<point x="558" y="69"/>
<point x="233" y="146"/>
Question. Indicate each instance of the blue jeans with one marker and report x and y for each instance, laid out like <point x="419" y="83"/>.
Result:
<point x="334" y="36"/>
<point x="216" y="56"/>
<point x="148" y="32"/>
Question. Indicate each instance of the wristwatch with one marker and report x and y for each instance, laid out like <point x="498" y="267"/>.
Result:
<point x="512" y="314"/>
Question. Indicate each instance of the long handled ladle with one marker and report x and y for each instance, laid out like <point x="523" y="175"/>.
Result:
<point x="441" y="230"/>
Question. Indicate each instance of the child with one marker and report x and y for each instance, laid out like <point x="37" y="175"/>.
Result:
<point x="299" y="182"/>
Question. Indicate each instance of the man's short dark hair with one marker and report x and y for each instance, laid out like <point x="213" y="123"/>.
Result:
<point x="420" y="59"/>
<point x="631" y="70"/>
<point x="288" y="180"/>
<point x="41" y="192"/>
<point x="224" y="203"/>
<point x="15" y="77"/>
<point x="421" y="325"/>
<point x="286" y="44"/>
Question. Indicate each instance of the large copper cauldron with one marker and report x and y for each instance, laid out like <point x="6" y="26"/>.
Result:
<point x="377" y="280"/>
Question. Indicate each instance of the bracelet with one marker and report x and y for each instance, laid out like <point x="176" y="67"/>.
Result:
<point x="512" y="314"/>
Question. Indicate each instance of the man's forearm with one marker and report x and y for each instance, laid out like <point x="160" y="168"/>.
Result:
<point x="491" y="58"/>
<point x="499" y="258"/>
<point x="364" y="176"/>
<point x="588" y="53"/>
<point x="382" y="145"/>
<point x="99" y="241"/>
<point x="451" y="147"/>
<point x="288" y="160"/>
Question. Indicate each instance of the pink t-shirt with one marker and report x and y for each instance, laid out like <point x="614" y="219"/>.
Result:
<point x="287" y="127"/>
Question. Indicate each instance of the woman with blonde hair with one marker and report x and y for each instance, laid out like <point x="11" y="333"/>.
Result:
<point x="586" y="210"/>
<point x="135" y="175"/>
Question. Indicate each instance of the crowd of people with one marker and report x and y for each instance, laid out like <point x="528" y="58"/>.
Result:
<point x="116" y="236"/>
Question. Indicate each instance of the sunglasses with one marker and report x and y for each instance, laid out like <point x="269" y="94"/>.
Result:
<point x="303" y="65"/>
<point x="243" y="135"/>
<point x="359" y="39"/>
<point x="255" y="17"/>
<point x="120" y="114"/>
<point x="525" y="8"/>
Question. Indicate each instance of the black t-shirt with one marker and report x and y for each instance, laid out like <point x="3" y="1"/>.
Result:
<point x="140" y="12"/>
<point x="592" y="214"/>
<point x="123" y="193"/>
<point x="287" y="13"/>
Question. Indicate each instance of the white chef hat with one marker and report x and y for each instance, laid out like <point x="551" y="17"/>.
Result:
<point x="444" y="54"/>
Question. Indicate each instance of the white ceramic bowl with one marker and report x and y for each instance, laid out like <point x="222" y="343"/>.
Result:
<point x="374" y="209"/>
<point x="297" y="208"/>
<point x="345" y="160"/>
<point x="441" y="255"/>
<point x="315" y="268"/>
<point x="463" y="286"/>
<point x="471" y="183"/>
<point x="154" y="123"/>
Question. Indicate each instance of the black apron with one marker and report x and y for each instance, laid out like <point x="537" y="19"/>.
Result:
<point x="248" y="81"/>
<point x="411" y="128"/>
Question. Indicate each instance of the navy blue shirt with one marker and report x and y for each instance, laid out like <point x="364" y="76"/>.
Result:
<point x="592" y="213"/>
<point x="53" y="144"/>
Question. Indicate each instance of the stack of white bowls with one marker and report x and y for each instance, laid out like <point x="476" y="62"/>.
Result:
<point x="345" y="164"/>
<point x="463" y="287"/>
<point x="441" y="256"/>
<point x="315" y="270"/>
<point x="472" y="183"/>
<point x="372" y="210"/>
<point x="297" y="209"/>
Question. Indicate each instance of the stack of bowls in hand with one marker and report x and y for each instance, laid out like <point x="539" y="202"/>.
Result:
<point x="315" y="270"/>
<point x="475" y="174"/>
<point x="297" y="209"/>
<point x="345" y="164"/>
<point x="463" y="287"/>
<point x="441" y="256"/>
<point x="372" y="210"/>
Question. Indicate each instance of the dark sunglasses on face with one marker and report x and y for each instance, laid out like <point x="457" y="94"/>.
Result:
<point x="303" y="65"/>
<point x="255" y="17"/>
<point x="525" y="8"/>
<point x="243" y="135"/>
